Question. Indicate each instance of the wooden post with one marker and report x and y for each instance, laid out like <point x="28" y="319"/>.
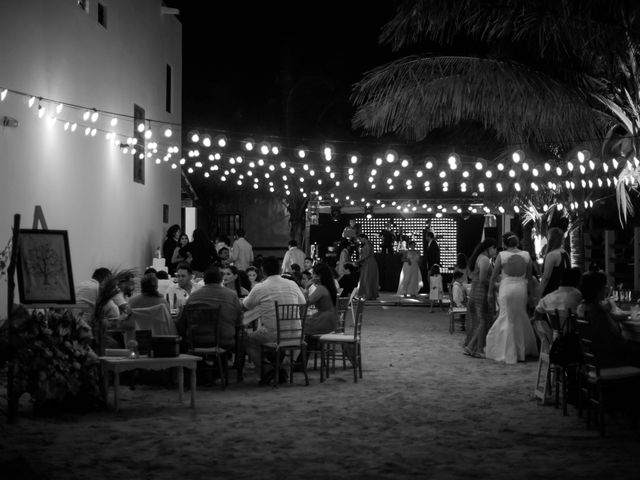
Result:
<point x="12" y="401"/>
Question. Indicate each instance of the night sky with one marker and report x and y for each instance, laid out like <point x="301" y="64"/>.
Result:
<point x="278" y="68"/>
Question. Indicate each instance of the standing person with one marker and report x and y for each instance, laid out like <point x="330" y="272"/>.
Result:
<point x="556" y="262"/>
<point x="241" y="251"/>
<point x="351" y="231"/>
<point x="479" y="309"/>
<point x="202" y="251"/>
<point x="410" y="278"/>
<point x="511" y="338"/>
<point x="169" y="246"/>
<point x="369" y="282"/>
<point x="262" y="297"/>
<point x="349" y="280"/>
<point x="432" y="251"/>
<point x="435" y="286"/>
<point x="179" y="253"/>
<point x="293" y="255"/>
<point x="343" y="258"/>
<point x="324" y="298"/>
<point x="462" y="267"/>
<point x="387" y="237"/>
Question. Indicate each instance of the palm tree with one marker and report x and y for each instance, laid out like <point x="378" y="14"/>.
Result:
<point x="537" y="73"/>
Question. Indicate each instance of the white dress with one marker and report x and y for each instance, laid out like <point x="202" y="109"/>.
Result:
<point x="511" y="338"/>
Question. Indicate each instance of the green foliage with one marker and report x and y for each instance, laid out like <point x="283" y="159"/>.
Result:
<point x="54" y="361"/>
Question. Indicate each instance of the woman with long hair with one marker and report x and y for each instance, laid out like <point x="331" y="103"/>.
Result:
<point x="462" y="265"/>
<point x="169" y="246"/>
<point x="479" y="310"/>
<point x="179" y="253"/>
<point x="343" y="258"/>
<point x="369" y="283"/>
<point x="254" y="276"/>
<point x="149" y="295"/>
<point x="324" y="298"/>
<point x="511" y="338"/>
<point x="556" y="262"/>
<point x="230" y="279"/>
<point x="202" y="251"/>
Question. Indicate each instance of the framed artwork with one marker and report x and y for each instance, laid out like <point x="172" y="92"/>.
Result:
<point x="44" y="267"/>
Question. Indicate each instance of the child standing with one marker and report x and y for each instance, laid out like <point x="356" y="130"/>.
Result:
<point x="458" y="292"/>
<point x="435" y="286"/>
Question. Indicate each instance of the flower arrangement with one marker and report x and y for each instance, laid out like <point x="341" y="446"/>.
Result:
<point x="54" y="361"/>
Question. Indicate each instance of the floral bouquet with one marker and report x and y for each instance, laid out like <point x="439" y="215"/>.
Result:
<point x="55" y="363"/>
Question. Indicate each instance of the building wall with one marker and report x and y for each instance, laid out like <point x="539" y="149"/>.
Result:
<point x="54" y="49"/>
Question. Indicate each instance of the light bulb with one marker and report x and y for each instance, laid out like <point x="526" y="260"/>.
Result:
<point x="3" y="94"/>
<point x="59" y="108"/>
<point x="94" y="117"/>
<point x="113" y="122"/>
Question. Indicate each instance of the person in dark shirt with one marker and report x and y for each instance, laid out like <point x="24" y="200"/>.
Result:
<point x="387" y="237"/>
<point x="349" y="280"/>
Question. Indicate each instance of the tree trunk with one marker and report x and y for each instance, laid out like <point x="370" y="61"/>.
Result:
<point x="296" y="206"/>
<point x="576" y="240"/>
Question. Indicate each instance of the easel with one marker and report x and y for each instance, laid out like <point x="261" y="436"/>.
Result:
<point x="38" y="219"/>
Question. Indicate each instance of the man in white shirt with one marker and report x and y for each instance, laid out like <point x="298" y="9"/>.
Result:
<point x="262" y="297"/>
<point x="241" y="251"/>
<point x="178" y="293"/>
<point x="293" y="255"/>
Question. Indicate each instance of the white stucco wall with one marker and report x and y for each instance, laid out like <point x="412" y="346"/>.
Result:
<point x="53" y="49"/>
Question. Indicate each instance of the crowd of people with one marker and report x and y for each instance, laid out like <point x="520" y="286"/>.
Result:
<point x="201" y="272"/>
<point x="507" y="293"/>
<point x="498" y="285"/>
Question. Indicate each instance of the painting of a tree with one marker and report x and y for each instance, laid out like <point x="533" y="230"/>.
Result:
<point x="42" y="260"/>
<point x="44" y="273"/>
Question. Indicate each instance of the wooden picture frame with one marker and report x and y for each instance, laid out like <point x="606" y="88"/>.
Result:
<point x="44" y="267"/>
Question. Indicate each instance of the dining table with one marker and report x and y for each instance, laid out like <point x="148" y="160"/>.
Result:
<point x="118" y="361"/>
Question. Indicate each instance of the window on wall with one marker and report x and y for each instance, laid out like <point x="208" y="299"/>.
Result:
<point x="167" y="100"/>
<point x="139" y="155"/>
<point x="84" y="5"/>
<point x="102" y="15"/>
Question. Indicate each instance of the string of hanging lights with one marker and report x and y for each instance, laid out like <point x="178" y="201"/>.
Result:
<point x="351" y="178"/>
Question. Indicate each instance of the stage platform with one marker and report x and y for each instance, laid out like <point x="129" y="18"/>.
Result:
<point x="422" y="300"/>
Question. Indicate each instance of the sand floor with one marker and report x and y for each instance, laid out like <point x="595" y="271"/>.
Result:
<point x="422" y="410"/>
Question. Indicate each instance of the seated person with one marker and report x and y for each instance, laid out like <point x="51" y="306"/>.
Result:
<point x="324" y="297"/>
<point x="458" y="292"/>
<point x="566" y="298"/>
<point x="213" y="293"/>
<point x="178" y="293"/>
<point x="611" y="348"/>
<point x="296" y="274"/>
<point x="149" y="295"/>
<point x="263" y="297"/>
<point x="306" y="284"/>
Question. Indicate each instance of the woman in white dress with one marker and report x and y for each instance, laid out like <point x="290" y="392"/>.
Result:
<point x="511" y="338"/>
<point x="410" y="278"/>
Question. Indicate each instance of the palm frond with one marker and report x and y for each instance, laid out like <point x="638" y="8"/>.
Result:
<point x="414" y="95"/>
<point x="628" y="176"/>
<point x="553" y="29"/>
